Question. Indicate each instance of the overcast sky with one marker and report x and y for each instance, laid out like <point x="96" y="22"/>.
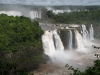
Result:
<point x="52" y="2"/>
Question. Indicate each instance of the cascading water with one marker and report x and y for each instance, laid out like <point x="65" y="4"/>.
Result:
<point x="79" y="40"/>
<point x="91" y="33"/>
<point x="35" y="14"/>
<point x="70" y="39"/>
<point x="85" y="33"/>
<point x="58" y="42"/>
<point x="51" y="40"/>
<point x="48" y="44"/>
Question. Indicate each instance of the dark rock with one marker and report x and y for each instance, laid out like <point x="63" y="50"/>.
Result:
<point x="45" y="58"/>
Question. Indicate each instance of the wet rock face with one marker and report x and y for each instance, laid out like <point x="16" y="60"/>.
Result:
<point x="45" y="58"/>
<point x="63" y="35"/>
<point x="96" y="30"/>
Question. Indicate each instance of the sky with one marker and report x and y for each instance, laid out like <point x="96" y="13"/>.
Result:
<point x="51" y="2"/>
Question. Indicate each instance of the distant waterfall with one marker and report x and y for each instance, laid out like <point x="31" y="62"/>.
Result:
<point x="85" y="33"/>
<point x="35" y="14"/>
<point x="91" y="33"/>
<point x="48" y="44"/>
<point x="58" y="42"/>
<point x="70" y="39"/>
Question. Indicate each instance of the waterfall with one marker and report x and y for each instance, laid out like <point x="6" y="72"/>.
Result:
<point x="91" y="33"/>
<point x="48" y="44"/>
<point x="68" y="47"/>
<point x="79" y="40"/>
<point x="58" y="42"/>
<point x="85" y="33"/>
<point x="35" y="14"/>
<point x="70" y="39"/>
<point x="52" y="42"/>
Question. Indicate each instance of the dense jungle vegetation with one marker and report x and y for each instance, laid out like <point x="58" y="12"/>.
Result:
<point x="76" y="17"/>
<point x="20" y="45"/>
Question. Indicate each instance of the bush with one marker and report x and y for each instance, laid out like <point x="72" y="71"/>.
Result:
<point x="92" y="70"/>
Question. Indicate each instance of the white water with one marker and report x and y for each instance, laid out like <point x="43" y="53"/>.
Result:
<point x="91" y="33"/>
<point x="86" y="36"/>
<point x="58" y="42"/>
<point x="48" y="44"/>
<point x="79" y="40"/>
<point x="35" y="14"/>
<point x="85" y="33"/>
<point x="70" y="39"/>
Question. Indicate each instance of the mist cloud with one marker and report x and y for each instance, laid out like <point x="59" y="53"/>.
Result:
<point x="52" y="2"/>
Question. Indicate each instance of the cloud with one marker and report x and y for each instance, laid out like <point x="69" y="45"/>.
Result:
<point x="52" y="2"/>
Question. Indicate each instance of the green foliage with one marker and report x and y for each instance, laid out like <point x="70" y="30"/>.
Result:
<point x="92" y="70"/>
<point x="49" y="14"/>
<point x="85" y="17"/>
<point x="11" y="69"/>
<point x="29" y="58"/>
<point x="16" y="31"/>
<point x="20" y="43"/>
